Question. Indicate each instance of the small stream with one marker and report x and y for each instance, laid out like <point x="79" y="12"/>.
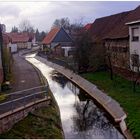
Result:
<point x="80" y="116"/>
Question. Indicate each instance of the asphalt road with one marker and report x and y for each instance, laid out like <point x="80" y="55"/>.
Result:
<point x="24" y="74"/>
<point x="25" y="77"/>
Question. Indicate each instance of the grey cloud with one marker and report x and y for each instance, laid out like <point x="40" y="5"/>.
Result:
<point x="9" y="10"/>
<point x="89" y="10"/>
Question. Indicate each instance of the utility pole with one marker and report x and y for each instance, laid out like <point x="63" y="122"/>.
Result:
<point x="1" y="49"/>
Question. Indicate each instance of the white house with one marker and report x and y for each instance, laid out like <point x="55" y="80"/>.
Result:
<point x="134" y="44"/>
<point x="21" y="41"/>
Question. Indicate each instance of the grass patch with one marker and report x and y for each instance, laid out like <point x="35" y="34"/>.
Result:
<point x="43" y="123"/>
<point x="122" y="91"/>
<point x="3" y="97"/>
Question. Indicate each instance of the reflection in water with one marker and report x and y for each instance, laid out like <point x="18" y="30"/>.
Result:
<point x="80" y="117"/>
<point x="59" y="78"/>
<point x="88" y="121"/>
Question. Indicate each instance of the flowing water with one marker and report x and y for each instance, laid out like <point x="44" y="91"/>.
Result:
<point x="80" y="116"/>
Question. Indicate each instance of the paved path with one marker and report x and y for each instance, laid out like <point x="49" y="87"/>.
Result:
<point x="25" y="77"/>
<point x="24" y="74"/>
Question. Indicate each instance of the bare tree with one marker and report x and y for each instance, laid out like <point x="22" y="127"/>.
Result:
<point x="135" y="68"/>
<point x="26" y="26"/>
<point x="77" y="24"/>
<point x="110" y="65"/>
<point x="97" y="57"/>
<point x="82" y="52"/>
<point x="63" y="22"/>
<point x="110" y="56"/>
<point x="89" y="56"/>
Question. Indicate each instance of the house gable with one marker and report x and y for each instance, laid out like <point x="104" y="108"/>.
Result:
<point x="62" y="37"/>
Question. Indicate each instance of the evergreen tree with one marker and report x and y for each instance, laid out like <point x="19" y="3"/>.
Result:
<point x="14" y="29"/>
<point x="42" y="36"/>
<point x="37" y="35"/>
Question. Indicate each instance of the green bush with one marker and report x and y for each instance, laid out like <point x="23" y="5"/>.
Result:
<point x="5" y="86"/>
<point x="3" y="97"/>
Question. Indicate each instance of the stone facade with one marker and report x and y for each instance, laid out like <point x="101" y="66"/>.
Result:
<point x="118" y="49"/>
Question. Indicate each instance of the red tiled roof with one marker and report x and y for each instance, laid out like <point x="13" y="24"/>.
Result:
<point x="50" y="36"/>
<point x="113" y="26"/>
<point x="20" y="37"/>
<point x="87" y="26"/>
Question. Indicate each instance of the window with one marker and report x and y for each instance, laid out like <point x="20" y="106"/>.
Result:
<point x="135" y="59"/>
<point x="135" y="34"/>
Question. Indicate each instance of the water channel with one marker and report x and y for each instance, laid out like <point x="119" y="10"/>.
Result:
<point x="81" y="117"/>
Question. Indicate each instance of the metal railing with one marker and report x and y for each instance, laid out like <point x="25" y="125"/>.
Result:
<point x="22" y="98"/>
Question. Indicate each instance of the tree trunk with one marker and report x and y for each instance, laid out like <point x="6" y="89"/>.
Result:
<point x="111" y="70"/>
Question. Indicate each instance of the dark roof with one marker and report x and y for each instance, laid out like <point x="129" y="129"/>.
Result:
<point x="134" y="15"/>
<point x="113" y="26"/>
<point x="57" y="35"/>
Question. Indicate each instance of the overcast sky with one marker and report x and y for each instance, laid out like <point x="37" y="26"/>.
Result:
<point x="42" y="14"/>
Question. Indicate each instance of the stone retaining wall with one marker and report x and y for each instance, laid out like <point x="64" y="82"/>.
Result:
<point x="8" y="119"/>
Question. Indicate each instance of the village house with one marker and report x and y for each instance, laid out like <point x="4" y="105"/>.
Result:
<point x="134" y="42"/>
<point x="59" y="41"/>
<point x="113" y="33"/>
<point x="21" y="41"/>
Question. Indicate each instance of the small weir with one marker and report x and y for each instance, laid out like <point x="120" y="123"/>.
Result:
<point x="81" y="117"/>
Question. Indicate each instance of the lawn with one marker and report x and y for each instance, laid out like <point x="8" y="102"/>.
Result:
<point x="122" y="91"/>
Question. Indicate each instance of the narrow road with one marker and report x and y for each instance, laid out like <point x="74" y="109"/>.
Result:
<point x="25" y="76"/>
